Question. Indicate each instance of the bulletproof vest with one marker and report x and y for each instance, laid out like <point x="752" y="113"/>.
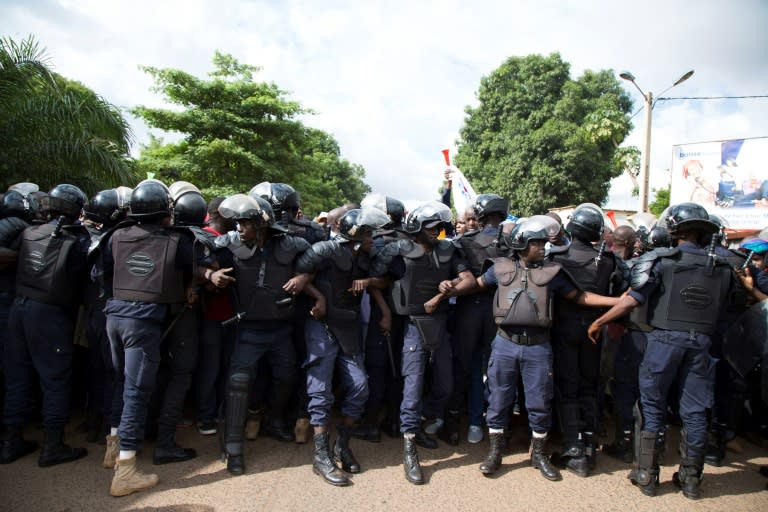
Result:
<point x="145" y="265"/>
<point x="738" y="297"/>
<point x="580" y="262"/>
<point x="10" y="228"/>
<point x="423" y="274"/>
<point x="638" y="317"/>
<point x="476" y="247"/>
<point x="42" y="272"/>
<point x="343" y="307"/>
<point x="310" y="231"/>
<point x="689" y="298"/>
<point x="522" y="298"/>
<point x="260" y="277"/>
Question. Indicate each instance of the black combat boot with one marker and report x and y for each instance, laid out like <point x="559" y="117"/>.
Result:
<point x="424" y="440"/>
<point x="15" y="446"/>
<point x="540" y="459"/>
<point x="621" y="448"/>
<point x="411" y="464"/>
<point x="645" y="473"/>
<point x="715" y="450"/>
<point x="449" y="433"/>
<point x="367" y="431"/>
<point x="492" y="462"/>
<point x="323" y="465"/>
<point x="167" y="451"/>
<point x="688" y="477"/>
<point x="55" y="451"/>
<point x="590" y="449"/>
<point x="574" y="459"/>
<point x="342" y="455"/>
<point x="277" y="430"/>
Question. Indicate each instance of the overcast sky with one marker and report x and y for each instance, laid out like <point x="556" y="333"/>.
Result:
<point x="390" y="80"/>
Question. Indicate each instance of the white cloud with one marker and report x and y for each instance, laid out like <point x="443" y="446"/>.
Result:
<point x="390" y="80"/>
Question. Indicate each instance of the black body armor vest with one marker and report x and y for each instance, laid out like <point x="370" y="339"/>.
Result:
<point x="343" y="307"/>
<point x="42" y="273"/>
<point x="690" y="298"/>
<point x="423" y="274"/>
<point x="476" y="247"/>
<point x="260" y="278"/>
<point x="591" y="275"/>
<point x="522" y="298"/>
<point x="145" y="265"/>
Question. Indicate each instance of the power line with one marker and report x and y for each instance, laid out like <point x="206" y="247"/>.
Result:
<point x="713" y="97"/>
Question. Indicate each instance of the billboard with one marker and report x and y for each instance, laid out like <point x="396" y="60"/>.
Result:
<point x="729" y="178"/>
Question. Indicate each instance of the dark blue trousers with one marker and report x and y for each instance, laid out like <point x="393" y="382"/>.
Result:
<point x="509" y="361"/>
<point x="39" y="341"/>
<point x="626" y="388"/>
<point x="677" y="356"/>
<point x="324" y="355"/>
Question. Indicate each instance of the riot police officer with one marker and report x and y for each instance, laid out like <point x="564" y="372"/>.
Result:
<point x="384" y="336"/>
<point x="52" y="264"/>
<point x="333" y="334"/>
<point x="105" y="210"/>
<point x="576" y="358"/>
<point x="152" y="268"/>
<point x="686" y="289"/>
<point x="180" y="340"/>
<point x="418" y="268"/>
<point x="474" y="328"/>
<point x="263" y="260"/>
<point x="286" y="203"/>
<point x="526" y="286"/>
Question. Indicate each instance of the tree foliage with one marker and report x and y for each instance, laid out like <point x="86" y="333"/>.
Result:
<point x="542" y="139"/>
<point x="238" y="132"/>
<point x="661" y="202"/>
<point x="55" y="130"/>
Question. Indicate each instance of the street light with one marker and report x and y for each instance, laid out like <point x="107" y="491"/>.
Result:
<point x="646" y="162"/>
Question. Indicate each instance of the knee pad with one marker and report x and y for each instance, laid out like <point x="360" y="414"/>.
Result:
<point x="239" y="382"/>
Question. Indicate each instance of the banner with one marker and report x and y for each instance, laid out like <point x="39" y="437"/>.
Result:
<point x="462" y="194"/>
<point x="729" y="178"/>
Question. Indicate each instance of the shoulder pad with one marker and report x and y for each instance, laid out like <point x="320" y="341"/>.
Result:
<point x="410" y="249"/>
<point x="547" y="272"/>
<point x="290" y="246"/>
<point x="445" y="250"/>
<point x="384" y="257"/>
<point x="311" y="259"/>
<point x="641" y="266"/>
<point x="10" y="228"/>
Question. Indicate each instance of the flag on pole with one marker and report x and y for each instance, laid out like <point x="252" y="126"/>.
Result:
<point x="462" y="194"/>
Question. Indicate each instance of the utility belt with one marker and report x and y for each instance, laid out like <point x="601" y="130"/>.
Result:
<point x="524" y="338"/>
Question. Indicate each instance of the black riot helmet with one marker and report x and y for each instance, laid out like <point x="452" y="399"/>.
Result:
<point x="394" y="208"/>
<point x="524" y="232"/>
<point x="189" y="207"/>
<point x="24" y="188"/>
<point x="427" y="215"/>
<point x="586" y="223"/>
<point x="190" y="210"/>
<point x="486" y="204"/>
<point x="246" y="207"/>
<point x="658" y="237"/>
<point x="283" y="198"/>
<point x="105" y="208"/>
<point x="150" y="200"/>
<point x="359" y="223"/>
<point x="67" y="200"/>
<point x="688" y="217"/>
<point x="16" y="204"/>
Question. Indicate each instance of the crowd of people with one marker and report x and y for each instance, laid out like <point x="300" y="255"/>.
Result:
<point x="372" y="321"/>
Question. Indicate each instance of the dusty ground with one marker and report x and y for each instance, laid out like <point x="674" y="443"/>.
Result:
<point x="279" y="477"/>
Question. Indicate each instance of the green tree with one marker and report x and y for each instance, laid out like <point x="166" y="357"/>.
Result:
<point x="661" y="201"/>
<point x="542" y="139"/>
<point x="238" y="132"/>
<point x="55" y="130"/>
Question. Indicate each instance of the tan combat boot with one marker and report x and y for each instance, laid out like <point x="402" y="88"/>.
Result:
<point x="301" y="430"/>
<point x="112" y="451"/>
<point x="128" y="479"/>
